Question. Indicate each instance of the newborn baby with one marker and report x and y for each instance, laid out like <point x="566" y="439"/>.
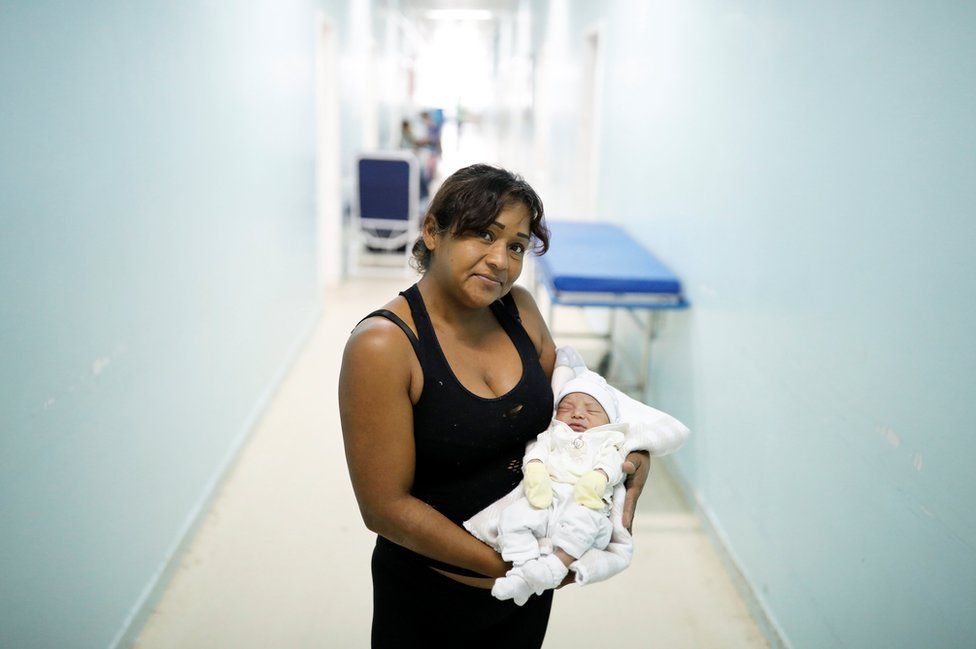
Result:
<point x="568" y="482"/>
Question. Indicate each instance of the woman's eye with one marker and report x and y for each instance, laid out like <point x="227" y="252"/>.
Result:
<point x="518" y="249"/>
<point x="486" y="235"/>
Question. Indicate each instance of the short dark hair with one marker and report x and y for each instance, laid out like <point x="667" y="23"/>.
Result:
<point x="472" y="197"/>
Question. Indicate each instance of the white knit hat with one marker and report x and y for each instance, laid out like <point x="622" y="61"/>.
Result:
<point x="591" y="383"/>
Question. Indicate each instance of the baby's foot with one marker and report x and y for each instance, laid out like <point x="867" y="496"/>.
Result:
<point x="569" y="357"/>
<point x="512" y="586"/>
<point x="544" y="573"/>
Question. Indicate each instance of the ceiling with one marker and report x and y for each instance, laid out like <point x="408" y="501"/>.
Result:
<point x="497" y="6"/>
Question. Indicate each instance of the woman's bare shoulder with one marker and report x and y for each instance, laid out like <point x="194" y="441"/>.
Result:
<point x="528" y="309"/>
<point x="535" y="325"/>
<point x="379" y="330"/>
<point x="377" y="349"/>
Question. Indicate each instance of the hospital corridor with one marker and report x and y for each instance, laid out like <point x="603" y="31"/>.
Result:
<point x="760" y="221"/>
<point x="312" y="589"/>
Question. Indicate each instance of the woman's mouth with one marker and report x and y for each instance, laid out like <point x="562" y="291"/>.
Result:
<point x="490" y="281"/>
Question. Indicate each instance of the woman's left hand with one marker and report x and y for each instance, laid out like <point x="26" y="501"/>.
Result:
<point x="636" y="466"/>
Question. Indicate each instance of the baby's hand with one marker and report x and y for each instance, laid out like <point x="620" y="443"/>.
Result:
<point x="537" y="485"/>
<point x="589" y="489"/>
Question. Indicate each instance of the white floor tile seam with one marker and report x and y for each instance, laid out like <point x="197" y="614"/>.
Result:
<point x="283" y="558"/>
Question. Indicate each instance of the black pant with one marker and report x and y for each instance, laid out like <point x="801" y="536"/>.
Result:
<point x="414" y="606"/>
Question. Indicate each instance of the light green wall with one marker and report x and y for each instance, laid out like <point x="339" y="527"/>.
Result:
<point x="156" y="272"/>
<point x="809" y="170"/>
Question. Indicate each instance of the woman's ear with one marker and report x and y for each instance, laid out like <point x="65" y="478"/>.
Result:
<point x="429" y="232"/>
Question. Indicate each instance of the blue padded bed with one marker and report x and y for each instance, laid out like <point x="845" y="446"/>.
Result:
<point x="599" y="264"/>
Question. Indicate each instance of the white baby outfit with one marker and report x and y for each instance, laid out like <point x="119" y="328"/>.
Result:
<point x="569" y="525"/>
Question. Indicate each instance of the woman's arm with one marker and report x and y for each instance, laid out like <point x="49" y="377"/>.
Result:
<point x="377" y="429"/>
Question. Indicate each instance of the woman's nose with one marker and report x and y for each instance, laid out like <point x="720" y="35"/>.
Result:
<point x="498" y="257"/>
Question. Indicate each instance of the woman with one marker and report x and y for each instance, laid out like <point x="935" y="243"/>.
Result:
<point x="439" y="393"/>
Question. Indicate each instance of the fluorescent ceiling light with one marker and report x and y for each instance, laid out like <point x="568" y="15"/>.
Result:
<point x="459" y="14"/>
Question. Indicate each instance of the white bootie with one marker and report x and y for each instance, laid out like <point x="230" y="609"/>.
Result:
<point x="544" y="573"/>
<point x="569" y="365"/>
<point x="531" y="578"/>
<point x="568" y="357"/>
<point x="512" y="586"/>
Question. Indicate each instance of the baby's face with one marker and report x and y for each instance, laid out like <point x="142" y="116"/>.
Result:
<point x="581" y="411"/>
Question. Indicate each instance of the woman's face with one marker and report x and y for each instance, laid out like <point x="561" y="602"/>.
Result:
<point x="480" y="267"/>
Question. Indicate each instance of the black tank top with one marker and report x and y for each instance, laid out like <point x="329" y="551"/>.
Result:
<point x="468" y="448"/>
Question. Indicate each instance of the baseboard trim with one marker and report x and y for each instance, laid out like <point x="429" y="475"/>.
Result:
<point x="758" y="608"/>
<point x="132" y="626"/>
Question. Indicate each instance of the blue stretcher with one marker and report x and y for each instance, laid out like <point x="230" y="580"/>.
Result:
<point x="600" y="265"/>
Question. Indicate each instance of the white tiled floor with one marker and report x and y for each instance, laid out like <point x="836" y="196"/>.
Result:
<point x="282" y="559"/>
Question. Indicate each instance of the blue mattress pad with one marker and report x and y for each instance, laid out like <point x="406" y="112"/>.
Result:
<point x="587" y="257"/>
